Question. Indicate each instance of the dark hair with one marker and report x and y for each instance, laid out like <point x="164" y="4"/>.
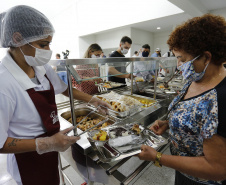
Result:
<point x="146" y="46"/>
<point x="58" y="55"/>
<point x="126" y="39"/>
<point x="135" y="52"/>
<point x="200" y="34"/>
<point x="92" y="47"/>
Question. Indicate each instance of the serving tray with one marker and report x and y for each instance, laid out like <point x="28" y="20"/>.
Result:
<point x="108" y="154"/>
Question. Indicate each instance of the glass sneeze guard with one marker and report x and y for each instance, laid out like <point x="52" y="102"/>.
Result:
<point x="89" y="69"/>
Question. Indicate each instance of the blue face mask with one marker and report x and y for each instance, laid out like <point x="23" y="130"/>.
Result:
<point x="189" y="73"/>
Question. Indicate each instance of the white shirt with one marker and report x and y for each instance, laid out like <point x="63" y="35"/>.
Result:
<point x="19" y="116"/>
<point x="144" y="69"/>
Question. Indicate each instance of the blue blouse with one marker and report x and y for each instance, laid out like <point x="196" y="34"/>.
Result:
<point x="195" y="119"/>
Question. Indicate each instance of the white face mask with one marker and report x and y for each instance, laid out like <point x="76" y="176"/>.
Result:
<point x="94" y="56"/>
<point x="41" y="58"/>
<point x="124" y="51"/>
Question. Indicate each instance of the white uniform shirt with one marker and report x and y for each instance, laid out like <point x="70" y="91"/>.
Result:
<point x="19" y="116"/>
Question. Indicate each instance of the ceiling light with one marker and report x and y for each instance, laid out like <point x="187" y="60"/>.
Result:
<point x="158" y="28"/>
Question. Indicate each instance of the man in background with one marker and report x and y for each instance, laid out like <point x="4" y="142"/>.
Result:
<point x="116" y="68"/>
<point x="145" y="68"/>
<point x="145" y="51"/>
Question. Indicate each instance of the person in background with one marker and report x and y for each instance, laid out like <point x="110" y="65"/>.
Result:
<point x="61" y="70"/>
<point x="164" y="70"/>
<point x="57" y="56"/>
<point x="144" y="66"/>
<point x="29" y="128"/>
<point x="145" y="51"/>
<point x="102" y="55"/>
<point x="157" y="53"/>
<point x="89" y="71"/>
<point x="136" y="54"/>
<point x="168" y="54"/>
<point x="124" y="46"/>
<point x="196" y="120"/>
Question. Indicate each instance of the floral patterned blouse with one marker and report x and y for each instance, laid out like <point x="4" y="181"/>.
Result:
<point x="195" y="119"/>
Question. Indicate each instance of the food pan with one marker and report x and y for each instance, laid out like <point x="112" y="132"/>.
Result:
<point x="114" y="85"/>
<point x="147" y="102"/>
<point x="84" y="112"/>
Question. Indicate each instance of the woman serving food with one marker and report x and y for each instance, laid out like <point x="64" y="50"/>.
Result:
<point x="29" y="129"/>
<point x="197" y="115"/>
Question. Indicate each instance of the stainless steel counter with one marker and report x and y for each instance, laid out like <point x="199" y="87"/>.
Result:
<point x="119" y="172"/>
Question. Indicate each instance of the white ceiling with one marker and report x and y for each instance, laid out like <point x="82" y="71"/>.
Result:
<point x="213" y="4"/>
<point x="191" y="9"/>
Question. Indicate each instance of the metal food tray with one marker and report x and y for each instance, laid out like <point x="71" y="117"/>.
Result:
<point x="108" y="154"/>
<point x="145" y="98"/>
<point x="84" y="111"/>
<point x="105" y="89"/>
<point x="132" y="110"/>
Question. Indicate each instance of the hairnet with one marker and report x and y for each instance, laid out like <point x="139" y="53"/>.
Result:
<point x="23" y="24"/>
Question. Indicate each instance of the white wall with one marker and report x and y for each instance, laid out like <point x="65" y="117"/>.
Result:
<point x="111" y="39"/>
<point x="108" y="41"/>
<point x="66" y="34"/>
<point x="84" y="43"/>
<point x="221" y="12"/>
<point x="160" y="41"/>
<point x="141" y="37"/>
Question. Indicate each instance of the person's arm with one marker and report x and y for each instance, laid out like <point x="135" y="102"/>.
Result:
<point x="211" y="166"/>
<point x="58" y="142"/>
<point x="113" y="71"/>
<point x="88" y="98"/>
<point x="13" y="145"/>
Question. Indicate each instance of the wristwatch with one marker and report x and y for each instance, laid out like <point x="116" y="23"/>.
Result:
<point x="157" y="160"/>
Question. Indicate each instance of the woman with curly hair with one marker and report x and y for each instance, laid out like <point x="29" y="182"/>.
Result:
<point x="196" y="121"/>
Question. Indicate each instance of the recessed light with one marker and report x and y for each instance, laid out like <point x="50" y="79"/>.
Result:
<point x="158" y="28"/>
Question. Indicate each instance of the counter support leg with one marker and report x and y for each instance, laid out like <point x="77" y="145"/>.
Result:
<point x="62" y="174"/>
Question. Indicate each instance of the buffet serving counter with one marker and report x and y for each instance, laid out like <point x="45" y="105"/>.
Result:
<point x="107" y="164"/>
<point x="124" y="170"/>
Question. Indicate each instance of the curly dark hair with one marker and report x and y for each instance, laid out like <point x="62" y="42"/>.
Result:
<point x="200" y="34"/>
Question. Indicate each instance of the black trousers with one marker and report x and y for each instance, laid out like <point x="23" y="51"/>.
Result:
<point x="182" y="180"/>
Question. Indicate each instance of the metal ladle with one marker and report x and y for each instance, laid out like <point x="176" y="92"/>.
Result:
<point x="165" y="84"/>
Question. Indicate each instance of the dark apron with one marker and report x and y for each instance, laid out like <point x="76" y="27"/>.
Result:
<point x="42" y="169"/>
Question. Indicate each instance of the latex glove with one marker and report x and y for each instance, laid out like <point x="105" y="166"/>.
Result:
<point x="101" y="105"/>
<point x="58" y="142"/>
<point x="147" y="153"/>
<point x="159" y="127"/>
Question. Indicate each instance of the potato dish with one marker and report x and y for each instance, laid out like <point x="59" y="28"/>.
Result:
<point x="101" y="136"/>
<point x="136" y="129"/>
<point x="89" y="122"/>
